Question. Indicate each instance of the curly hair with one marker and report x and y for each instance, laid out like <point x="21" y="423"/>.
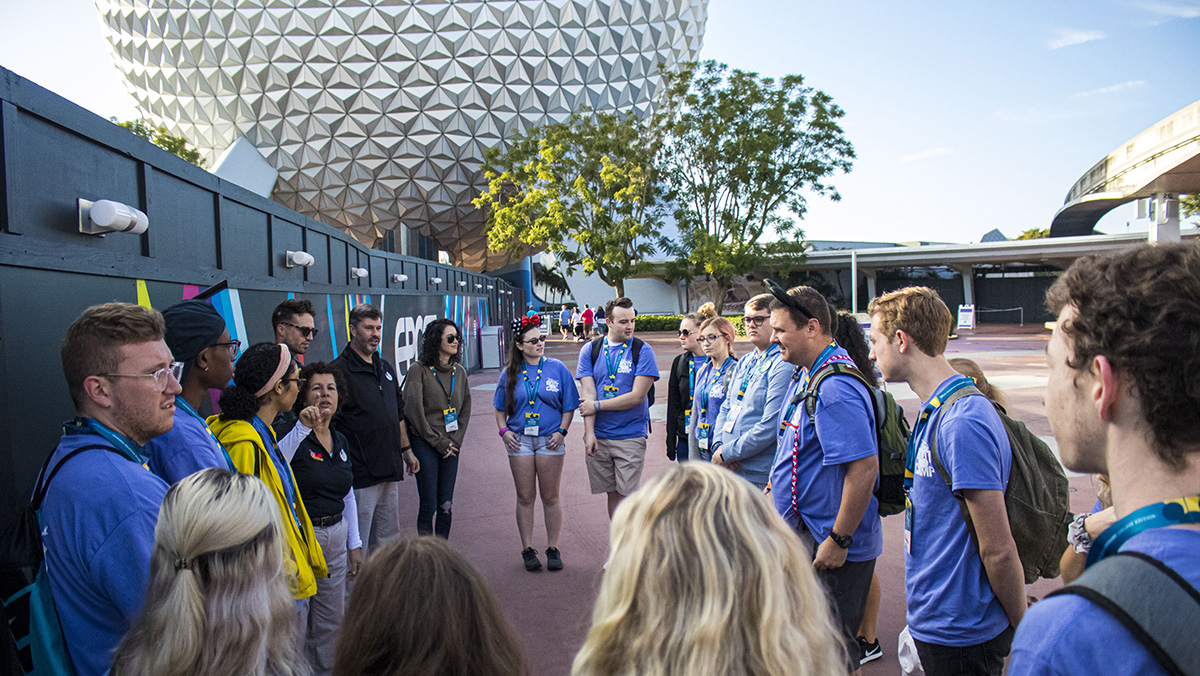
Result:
<point x="1140" y="308"/>
<point x="849" y="334"/>
<point x="255" y="367"/>
<point x="316" y="368"/>
<point x="432" y="339"/>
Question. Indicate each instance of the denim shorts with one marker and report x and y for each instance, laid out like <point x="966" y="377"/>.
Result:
<point x="537" y="446"/>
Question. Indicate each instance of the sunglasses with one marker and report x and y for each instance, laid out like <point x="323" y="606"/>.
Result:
<point x="786" y="298"/>
<point x="452" y="339"/>
<point x="754" y="321"/>
<point x="306" y="331"/>
<point x="535" y="340"/>
<point x="684" y="333"/>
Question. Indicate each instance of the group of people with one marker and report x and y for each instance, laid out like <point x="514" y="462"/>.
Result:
<point x="705" y="575"/>
<point x="582" y="324"/>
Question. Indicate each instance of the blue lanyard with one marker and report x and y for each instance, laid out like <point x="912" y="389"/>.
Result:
<point x="181" y="403"/>
<point x="1159" y="515"/>
<point x="935" y="402"/>
<point x="762" y="362"/>
<point x="707" y="378"/>
<point x="822" y="359"/>
<point x="122" y="443"/>
<point x="691" y="377"/>
<point x="439" y="379"/>
<point x="285" y="472"/>
<point x="531" y="392"/>
<point x="612" y="371"/>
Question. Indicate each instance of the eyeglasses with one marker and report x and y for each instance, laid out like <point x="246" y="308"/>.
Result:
<point x="299" y="382"/>
<point x="707" y="339"/>
<point x="753" y="321"/>
<point x="684" y="333"/>
<point x="452" y="339"/>
<point x="162" y="377"/>
<point x="306" y="331"/>
<point x="233" y="346"/>
<point x="535" y="340"/>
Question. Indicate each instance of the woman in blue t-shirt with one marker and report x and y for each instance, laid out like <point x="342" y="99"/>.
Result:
<point x="535" y="401"/>
<point x="712" y="383"/>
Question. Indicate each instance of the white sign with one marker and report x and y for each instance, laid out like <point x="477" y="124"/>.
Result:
<point x="966" y="316"/>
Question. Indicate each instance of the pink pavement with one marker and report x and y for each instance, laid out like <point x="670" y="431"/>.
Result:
<point x="552" y="610"/>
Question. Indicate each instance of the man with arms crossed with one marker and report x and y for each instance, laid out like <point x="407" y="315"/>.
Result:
<point x="616" y="413"/>
<point x="826" y="468"/>
<point x="963" y="600"/>
<point x="749" y="418"/>
<point x="100" y="510"/>
<point x="1123" y="400"/>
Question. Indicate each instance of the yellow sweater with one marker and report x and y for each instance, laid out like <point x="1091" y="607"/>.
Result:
<point x="245" y="447"/>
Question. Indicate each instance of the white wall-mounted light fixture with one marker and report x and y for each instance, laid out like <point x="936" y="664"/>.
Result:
<point x="358" y="273"/>
<point x="462" y="282"/>
<point x="491" y="286"/>
<point x="399" y="278"/>
<point x="435" y="280"/>
<point x="478" y="286"/>
<point x="301" y="258"/>
<point x="105" y="216"/>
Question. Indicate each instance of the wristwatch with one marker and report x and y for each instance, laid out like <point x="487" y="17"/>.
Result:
<point x="843" y="541"/>
<point x="562" y="431"/>
<point x="1077" y="535"/>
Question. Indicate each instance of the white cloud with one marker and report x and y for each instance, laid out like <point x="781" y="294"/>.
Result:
<point x="1173" y="11"/>
<point x="1066" y="37"/>
<point x="1112" y="89"/>
<point x="926" y="154"/>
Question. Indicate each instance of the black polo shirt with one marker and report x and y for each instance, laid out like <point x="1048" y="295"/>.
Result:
<point x="323" y="477"/>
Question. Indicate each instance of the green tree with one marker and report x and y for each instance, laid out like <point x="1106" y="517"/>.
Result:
<point x="1189" y="205"/>
<point x="740" y="152"/>
<point x="584" y="189"/>
<point x="159" y="136"/>
<point x="1034" y="233"/>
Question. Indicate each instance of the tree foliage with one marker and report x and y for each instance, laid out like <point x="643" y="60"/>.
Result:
<point x="1034" y="233"/>
<point x="584" y="189"/>
<point x="1189" y="205"/>
<point x="741" y="151"/>
<point x="159" y="136"/>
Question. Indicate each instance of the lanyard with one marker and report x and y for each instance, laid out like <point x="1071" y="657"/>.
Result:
<point x="825" y="357"/>
<point x="762" y="362"/>
<point x="935" y="402"/>
<point x="531" y="392"/>
<point x="691" y="377"/>
<point x="181" y="403"/>
<point x="612" y="370"/>
<point x="439" y="379"/>
<point x="285" y="472"/>
<point x="708" y="383"/>
<point x="119" y="441"/>
<point x="1159" y="515"/>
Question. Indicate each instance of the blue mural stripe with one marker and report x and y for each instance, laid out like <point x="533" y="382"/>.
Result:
<point x="332" y="334"/>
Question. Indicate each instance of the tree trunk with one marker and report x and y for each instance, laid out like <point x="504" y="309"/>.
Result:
<point x="619" y="285"/>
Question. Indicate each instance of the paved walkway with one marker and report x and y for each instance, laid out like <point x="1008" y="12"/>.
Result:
<point x="552" y="611"/>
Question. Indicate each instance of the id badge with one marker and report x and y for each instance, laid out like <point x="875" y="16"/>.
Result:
<point x="735" y="412"/>
<point x="702" y="436"/>
<point x="450" y="415"/>
<point x="531" y="424"/>
<point x="687" y="419"/>
<point x="908" y="519"/>
<point x="611" y="391"/>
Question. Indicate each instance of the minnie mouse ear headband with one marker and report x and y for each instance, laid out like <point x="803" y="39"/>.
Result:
<point x="519" y="324"/>
<point x="783" y="297"/>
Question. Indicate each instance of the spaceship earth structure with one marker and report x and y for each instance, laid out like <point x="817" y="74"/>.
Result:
<point x="376" y="113"/>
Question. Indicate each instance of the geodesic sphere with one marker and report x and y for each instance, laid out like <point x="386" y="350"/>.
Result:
<point x="377" y="113"/>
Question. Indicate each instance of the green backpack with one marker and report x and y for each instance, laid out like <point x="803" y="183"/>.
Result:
<point x="891" y="432"/>
<point x="1037" y="497"/>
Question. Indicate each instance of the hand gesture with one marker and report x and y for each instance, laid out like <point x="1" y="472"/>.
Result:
<point x="310" y="417"/>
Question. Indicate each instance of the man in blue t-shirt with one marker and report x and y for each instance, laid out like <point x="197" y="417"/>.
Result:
<point x="99" y="513"/>
<point x="826" y="466"/>
<point x="564" y="321"/>
<point x="963" y="600"/>
<point x="1122" y="400"/>
<point x="615" y="408"/>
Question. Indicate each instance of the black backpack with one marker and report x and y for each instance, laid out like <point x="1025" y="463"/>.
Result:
<point x="1037" y="497"/>
<point x="891" y="434"/>
<point x="598" y="344"/>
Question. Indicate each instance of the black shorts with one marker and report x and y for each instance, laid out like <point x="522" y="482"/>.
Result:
<point x="847" y="587"/>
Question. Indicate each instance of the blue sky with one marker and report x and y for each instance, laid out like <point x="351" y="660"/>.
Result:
<point x="966" y="116"/>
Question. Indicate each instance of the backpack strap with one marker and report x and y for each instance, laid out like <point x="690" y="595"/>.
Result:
<point x="39" y="492"/>
<point x="834" y="369"/>
<point x="967" y="391"/>
<point x="1158" y="607"/>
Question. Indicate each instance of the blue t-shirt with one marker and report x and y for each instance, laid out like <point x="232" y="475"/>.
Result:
<point x="630" y="423"/>
<point x="98" y="531"/>
<point x="949" y="599"/>
<point x="564" y="317"/>
<point x="711" y="388"/>
<point x="556" y="394"/>
<point x="188" y="448"/>
<point x="1070" y="635"/>
<point x="844" y="432"/>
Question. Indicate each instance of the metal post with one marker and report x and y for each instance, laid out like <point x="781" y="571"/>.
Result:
<point x="853" y="281"/>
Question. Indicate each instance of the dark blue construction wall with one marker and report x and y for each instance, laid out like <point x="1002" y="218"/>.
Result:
<point x="203" y="231"/>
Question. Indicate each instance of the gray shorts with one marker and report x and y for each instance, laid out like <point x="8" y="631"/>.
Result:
<point x="617" y="465"/>
<point x="536" y="446"/>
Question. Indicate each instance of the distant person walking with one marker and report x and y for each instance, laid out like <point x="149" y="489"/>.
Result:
<point x="588" y="318"/>
<point x="564" y="322"/>
<point x="601" y="324"/>
<point x="533" y="421"/>
<point x="438" y="400"/>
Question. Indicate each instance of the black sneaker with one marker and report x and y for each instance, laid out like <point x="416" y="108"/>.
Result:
<point x="532" y="562"/>
<point x="553" y="559"/>
<point x="868" y="651"/>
